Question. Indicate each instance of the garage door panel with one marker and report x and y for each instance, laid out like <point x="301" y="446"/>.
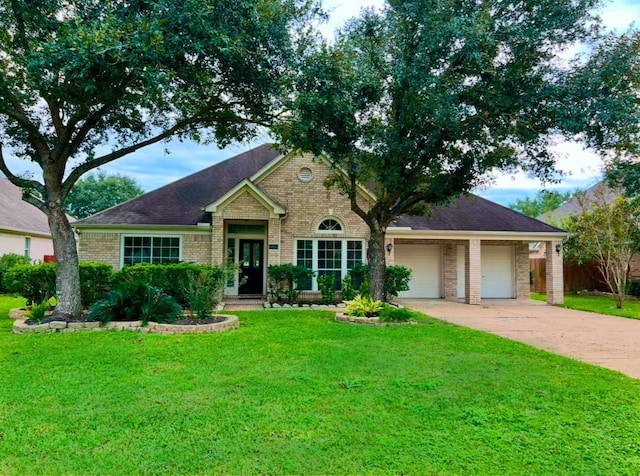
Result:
<point x="425" y="261"/>
<point x="497" y="272"/>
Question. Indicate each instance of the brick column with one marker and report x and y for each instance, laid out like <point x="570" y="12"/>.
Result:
<point x="273" y="237"/>
<point x="472" y="271"/>
<point x="217" y="241"/>
<point x="523" y="287"/>
<point x="555" y="278"/>
<point x="450" y="258"/>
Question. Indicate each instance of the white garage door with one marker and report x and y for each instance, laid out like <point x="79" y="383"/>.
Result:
<point x="426" y="263"/>
<point x="497" y="272"/>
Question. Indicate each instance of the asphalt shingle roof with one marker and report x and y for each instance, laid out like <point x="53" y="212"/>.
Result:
<point x="473" y="213"/>
<point x="17" y="214"/>
<point x="182" y="202"/>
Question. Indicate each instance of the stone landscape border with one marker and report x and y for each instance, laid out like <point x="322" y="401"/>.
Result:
<point x="370" y="321"/>
<point x="20" y="326"/>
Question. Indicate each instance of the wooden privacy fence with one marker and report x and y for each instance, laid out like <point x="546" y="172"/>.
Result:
<point x="577" y="277"/>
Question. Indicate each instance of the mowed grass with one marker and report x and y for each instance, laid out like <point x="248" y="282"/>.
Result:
<point x="295" y="392"/>
<point x="599" y="304"/>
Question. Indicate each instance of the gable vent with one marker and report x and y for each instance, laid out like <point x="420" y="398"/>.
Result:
<point x="305" y="174"/>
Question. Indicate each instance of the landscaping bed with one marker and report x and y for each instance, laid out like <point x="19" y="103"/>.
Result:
<point x="217" y="323"/>
<point x="370" y="321"/>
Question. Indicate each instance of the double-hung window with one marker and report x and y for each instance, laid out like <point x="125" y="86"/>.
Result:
<point x="150" y="249"/>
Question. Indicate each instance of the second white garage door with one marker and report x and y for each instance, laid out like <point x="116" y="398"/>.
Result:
<point x="426" y="263"/>
<point x="497" y="272"/>
<point x="497" y="264"/>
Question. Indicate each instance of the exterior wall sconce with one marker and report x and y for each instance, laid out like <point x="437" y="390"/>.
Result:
<point x="389" y="247"/>
<point x="558" y="248"/>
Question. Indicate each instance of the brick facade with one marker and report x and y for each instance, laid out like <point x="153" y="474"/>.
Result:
<point x="308" y="203"/>
<point x="103" y="247"/>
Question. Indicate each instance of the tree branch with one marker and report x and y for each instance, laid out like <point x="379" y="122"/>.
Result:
<point x="20" y="115"/>
<point x="23" y="183"/>
<point x="54" y="110"/>
<point x="353" y="198"/>
<point x="105" y="159"/>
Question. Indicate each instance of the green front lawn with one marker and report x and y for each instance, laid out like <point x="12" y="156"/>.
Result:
<point x="599" y="304"/>
<point x="295" y="392"/>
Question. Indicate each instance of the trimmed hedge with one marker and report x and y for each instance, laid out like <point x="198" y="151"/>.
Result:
<point x="171" y="278"/>
<point x="7" y="261"/>
<point x="38" y="282"/>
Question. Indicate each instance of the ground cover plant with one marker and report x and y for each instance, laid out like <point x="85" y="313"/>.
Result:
<point x="599" y="304"/>
<point x="293" y="392"/>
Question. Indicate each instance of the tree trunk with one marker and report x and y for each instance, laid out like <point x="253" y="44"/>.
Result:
<point x="67" y="271"/>
<point x="377" y="264"/>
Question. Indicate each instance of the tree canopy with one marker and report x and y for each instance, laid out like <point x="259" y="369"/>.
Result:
<point x="543" y="202"/>
<point x="79" y="74"/>
<point x="97" y="192"/>
<point x="421" y="99"/>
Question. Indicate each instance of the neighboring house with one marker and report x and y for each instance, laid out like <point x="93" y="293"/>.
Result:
<point x="573" y="206"/>
<point x="262" y="208"/>
<point x="600" y="191"/>
<point x="24" y="229"/>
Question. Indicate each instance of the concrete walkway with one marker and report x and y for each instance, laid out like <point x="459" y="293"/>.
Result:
<point x="606" y="341"/>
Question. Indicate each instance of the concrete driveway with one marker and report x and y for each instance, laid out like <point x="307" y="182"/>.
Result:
<point x="607" y="341"/>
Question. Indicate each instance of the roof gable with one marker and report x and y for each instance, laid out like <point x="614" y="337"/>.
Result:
<point x="246" y="186"/>
<point x="18" y="215"/>
<point x="273" y="167"/>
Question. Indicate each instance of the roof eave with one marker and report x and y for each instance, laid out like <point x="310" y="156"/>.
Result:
<point x="20" y="231"/>
<point x="119" y="226"/>
<point x="407" y="232"/>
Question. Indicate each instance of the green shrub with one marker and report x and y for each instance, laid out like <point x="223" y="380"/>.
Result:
<point x="286" y="280"/>
<point x="133" y="301"/>
<point x="359" y="277"/>
<point x="348" y="293"/>
<point x="36" y="283"/>
<point x="634" y="288"/>
<point x="363" y="306"/>
<point x="170" y="277"/>
<point x="395" y="314"/>
<point x="203" y="290"/>
<point x="95" y="281"/>
<point x="327" y="286"/>
<point x="10" y="260"/>
<point x="396" y="280"/>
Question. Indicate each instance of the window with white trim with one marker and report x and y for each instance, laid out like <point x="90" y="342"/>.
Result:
<point x="328" y="257"/>
<point x="27" y="246"/>
<point x="150" y="249"/>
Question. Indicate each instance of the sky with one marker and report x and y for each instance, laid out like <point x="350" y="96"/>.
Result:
<point x="152" y="167"/>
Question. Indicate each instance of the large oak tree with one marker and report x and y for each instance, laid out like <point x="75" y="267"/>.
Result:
<point x="79" y="74"/>
<point x="421" y="99"/>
